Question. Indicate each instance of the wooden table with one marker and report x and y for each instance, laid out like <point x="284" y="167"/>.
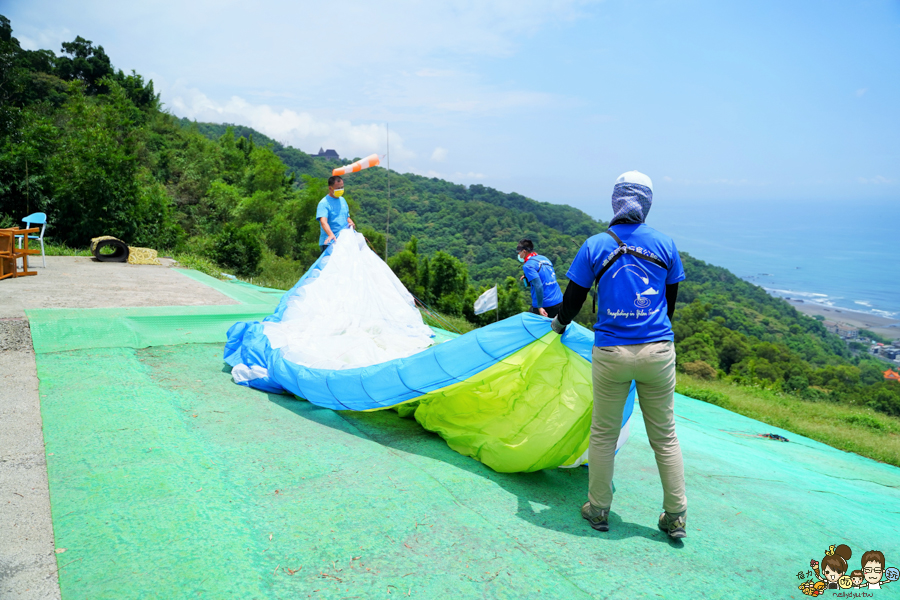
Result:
<point x="9" y="254"/>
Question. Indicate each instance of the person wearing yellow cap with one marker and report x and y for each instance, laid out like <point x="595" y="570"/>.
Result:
<point x="333" y="213"/>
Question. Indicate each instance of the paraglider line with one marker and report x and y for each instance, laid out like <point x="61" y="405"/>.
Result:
<point x="433" y="315"/>
<point x="438" y="320"/>
<point x="437" y="317"/>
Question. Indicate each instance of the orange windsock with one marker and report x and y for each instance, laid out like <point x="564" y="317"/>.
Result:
<point x="365" y="163"/>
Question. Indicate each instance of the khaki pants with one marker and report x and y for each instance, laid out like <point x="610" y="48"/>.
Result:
<point x="652" y="366"/>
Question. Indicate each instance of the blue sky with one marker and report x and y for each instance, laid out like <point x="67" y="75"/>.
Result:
<point x="553" y="99"/>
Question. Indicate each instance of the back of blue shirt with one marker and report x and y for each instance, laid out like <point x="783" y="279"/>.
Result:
<point x="541" y="269"/>
<point x="631" y="296"/>
<point x="337" y="212"/>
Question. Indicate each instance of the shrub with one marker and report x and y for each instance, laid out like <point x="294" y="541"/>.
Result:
<point x="796" y="384"/>
<point x="239" y="249"/>
<point x="700" y="369"/>
<point x="864" y="420"/>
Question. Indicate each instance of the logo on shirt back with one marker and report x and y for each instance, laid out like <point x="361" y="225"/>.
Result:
<point x="641" y="301"/>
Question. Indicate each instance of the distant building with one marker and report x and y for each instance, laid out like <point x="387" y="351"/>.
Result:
<point x="845" y="331"/>
<point x="330" y="154"/>
<point x="891" y="375"/>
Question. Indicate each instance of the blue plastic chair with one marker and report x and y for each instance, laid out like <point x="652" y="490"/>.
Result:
<point x="36" y="219"/>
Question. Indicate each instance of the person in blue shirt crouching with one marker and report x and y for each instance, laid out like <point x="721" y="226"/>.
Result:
<point x="333" y="213"/>
<point x="546" y="297"/>
<point x="636" y="270"/>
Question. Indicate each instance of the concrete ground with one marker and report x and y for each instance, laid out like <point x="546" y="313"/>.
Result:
<point x="82" y="282"/>
<point x="27" y="554"/>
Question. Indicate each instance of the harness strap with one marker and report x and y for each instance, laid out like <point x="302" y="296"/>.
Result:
<point x="621" y="251"/>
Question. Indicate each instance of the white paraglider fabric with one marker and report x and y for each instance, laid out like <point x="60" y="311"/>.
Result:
<point x="355" y="314"/>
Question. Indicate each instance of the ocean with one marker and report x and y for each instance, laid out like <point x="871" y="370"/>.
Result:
<point x="838" y="254"/>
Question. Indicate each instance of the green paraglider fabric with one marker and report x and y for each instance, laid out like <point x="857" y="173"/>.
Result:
<point x="546" y="425"/>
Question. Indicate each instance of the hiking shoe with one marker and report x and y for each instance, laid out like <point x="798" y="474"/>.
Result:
<point x="673" y="525"/>
<point x="599" y="521"/>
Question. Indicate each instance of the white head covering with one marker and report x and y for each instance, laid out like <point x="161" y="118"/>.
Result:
<point x="635" y="177"/>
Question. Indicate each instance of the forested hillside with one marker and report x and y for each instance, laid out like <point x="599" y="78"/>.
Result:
<point x="90" y="146"/>
<point x="476" y="224"/>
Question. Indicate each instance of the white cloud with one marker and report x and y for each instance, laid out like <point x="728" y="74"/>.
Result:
<point x="50" y="39"/>
<point x="877" y="180"/>
<point x="439" y="154"/>
<point x="300" y="129"/>
<point x="860" y="92"/>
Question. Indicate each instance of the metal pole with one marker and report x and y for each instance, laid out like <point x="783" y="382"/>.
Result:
<point x="387" y="231"/>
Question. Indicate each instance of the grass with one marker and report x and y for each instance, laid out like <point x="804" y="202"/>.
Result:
<point x="849" y="428"/>
<point x="52" y="249"/>
<point x="187" y="260"/>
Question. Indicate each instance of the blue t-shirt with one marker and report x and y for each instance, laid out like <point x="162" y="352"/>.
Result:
<point x="631" y="296"/>
<point x="541" y="269"/>
<point x="337" y="212"/>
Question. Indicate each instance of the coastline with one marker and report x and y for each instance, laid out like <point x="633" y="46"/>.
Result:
<point x="884" y="326"/>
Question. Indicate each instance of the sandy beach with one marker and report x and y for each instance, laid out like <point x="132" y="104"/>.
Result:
<point x="889" y="328"/>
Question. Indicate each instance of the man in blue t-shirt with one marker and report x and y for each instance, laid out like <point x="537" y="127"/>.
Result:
<point x="546" y="297"/>
<point x="333" y="213"/>
<point x="636" y="270"/>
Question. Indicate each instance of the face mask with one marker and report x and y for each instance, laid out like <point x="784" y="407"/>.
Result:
<point x="338" y="193"/>
<point x="521" y="260"/>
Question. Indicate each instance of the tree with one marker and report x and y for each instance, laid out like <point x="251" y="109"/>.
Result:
<point x="449" y="281"/>
<point x="95" y="176"/>
<point x="141" y="94"/>
<point x="698" y="347"/>
<point x="405" y="266"/>
<point x="85" y="63"/>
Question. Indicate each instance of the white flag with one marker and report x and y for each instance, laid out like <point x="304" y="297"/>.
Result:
<point x="487" y="301"/>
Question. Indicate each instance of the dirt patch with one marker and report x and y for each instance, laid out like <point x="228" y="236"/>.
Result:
<point x="15" y="335"/>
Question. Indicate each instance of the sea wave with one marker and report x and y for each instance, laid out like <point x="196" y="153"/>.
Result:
<point x="795" y="293"/>
<point x="883" y="313"/>
<point x="832" y="302"/>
